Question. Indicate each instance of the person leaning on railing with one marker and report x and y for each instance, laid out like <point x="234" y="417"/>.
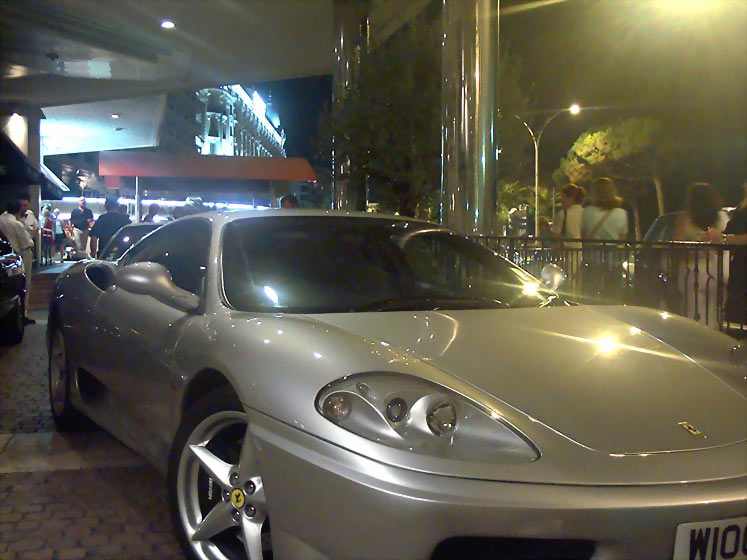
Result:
<point x="698" y="273"/>
<point x="735" y="310"/>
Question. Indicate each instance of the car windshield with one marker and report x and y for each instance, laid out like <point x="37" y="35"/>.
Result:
<point x="326" y="265"/>
<point x="124" y="239"/>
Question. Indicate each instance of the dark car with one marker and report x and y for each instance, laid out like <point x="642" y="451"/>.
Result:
<point x="663" y="228"/>
<point x="12" y="293"/>
<point x="125" y="237"/>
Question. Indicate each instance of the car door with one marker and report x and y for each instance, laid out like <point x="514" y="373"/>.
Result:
<point x="140" y="332"/>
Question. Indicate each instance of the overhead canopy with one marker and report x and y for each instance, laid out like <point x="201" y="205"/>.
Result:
<point x="62" y="52"/>
<point x="195" y="166"/>
<point x="16" y="170"/>
<point x="89" y="127"/>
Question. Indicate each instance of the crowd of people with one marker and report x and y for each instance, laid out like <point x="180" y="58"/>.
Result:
<point x="702" y="219"/>
<point x="603" y="217"/>
<point x="598" y="216"/>
<point x="19" y="226"/>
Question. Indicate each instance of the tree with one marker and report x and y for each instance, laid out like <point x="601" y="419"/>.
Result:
<point x="631" y="152"/>
<point x="513" y="139"/>
<point x="388" y="122"/>
<point x="515" y="195"/>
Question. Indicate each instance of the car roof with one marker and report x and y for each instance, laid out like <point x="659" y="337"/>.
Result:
<point x="232" y="215"/>
<point x="142" y="225"/>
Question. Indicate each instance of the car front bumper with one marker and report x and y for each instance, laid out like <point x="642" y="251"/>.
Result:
<point x="326" y="502"/>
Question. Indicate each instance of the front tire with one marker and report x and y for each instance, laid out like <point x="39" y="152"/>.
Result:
<point x="66" y="417"/>
<point x="216" y="496"/>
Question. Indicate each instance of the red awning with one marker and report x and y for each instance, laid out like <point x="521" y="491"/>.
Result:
<point x="195" y="166"/>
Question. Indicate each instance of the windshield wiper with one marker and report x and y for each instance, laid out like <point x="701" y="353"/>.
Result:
<point x="428" y="303"/>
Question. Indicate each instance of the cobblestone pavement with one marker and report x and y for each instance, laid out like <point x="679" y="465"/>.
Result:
<point x="23" y="384"/>
<point x="93" y="499"/>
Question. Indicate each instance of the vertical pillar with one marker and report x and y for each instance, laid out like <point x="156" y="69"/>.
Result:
<point x="34" y="153"/>
<point x="351" y="36"/>
<point x="469" y="104"/>
<point x="138" y="201"/>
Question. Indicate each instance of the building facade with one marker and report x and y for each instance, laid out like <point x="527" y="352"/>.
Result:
<point x="235" y="122"/>
<point x="223" y="121"/>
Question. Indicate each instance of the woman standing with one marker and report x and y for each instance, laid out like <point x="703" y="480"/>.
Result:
<point x="568" y="223"/>
<point x="47" y="237"/>
<point x="604" y="218"/>
<point x="59" y="233"/>
<point x="698" y="273"/>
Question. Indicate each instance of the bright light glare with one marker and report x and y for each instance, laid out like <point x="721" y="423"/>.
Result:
<point x="684" y="7"/>
<point x="530" y="289"/>
<point x="574" y="109"/>
<point x="635" y="330"/>
<point x="17" y="130"/>
<point x="167" y="24"/>
<point x="115" y="115"/>
<point x="607" y="344"/>
<point x="664" y="315"/>
<point x="259" y="103"/>
<point x="696" y="12"/>
<point x="271" y="294"/>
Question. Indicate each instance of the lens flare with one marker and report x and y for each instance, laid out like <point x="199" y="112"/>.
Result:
<point x="607" y="344"/>
<point x="530" y="289"/>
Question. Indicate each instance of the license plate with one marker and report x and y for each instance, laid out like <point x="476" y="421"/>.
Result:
<point x="725" y="539"/>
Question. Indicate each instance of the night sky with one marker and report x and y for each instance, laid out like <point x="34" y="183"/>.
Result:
<point x="620" y="57"/>
<point x="299" y="104"/>
<point x="642" y="58"/>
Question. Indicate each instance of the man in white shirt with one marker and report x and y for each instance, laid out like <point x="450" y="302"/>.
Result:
<point x="28" y="218"/>
<point x="18" y="237"/>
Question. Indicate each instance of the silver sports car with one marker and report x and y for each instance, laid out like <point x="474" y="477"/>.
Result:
<point x="382" y="387"/>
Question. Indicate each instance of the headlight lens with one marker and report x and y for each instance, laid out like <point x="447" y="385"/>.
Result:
<point x="413" y="414"/>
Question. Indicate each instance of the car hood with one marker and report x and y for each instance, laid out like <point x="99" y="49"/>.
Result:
<point x="600" y="381"/>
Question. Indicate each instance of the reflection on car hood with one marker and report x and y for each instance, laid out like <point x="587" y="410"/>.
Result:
<point x="598" y="380"/>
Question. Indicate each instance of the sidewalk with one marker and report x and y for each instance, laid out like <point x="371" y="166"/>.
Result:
<point x="69" y="496"/>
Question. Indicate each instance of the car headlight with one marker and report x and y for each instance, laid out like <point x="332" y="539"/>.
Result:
<point x="410" y="413"/>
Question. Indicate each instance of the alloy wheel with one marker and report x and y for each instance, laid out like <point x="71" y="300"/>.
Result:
<point x="221" y="499"/>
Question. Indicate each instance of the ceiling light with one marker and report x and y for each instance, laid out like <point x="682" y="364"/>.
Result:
<point x="115" y="115"/>
<point x="167" y="24"/>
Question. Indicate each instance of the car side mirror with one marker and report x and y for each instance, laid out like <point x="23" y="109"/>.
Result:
<point x="552" y="276"/>
<point x="153" y="279"/>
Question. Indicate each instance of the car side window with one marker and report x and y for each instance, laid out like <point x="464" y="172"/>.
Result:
<point x="183" y="248"/>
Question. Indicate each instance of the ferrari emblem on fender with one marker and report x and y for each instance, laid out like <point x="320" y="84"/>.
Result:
<point x="237" y="498"/>
<point x="692" y="429"/>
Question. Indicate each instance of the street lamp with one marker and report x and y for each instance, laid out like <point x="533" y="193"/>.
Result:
<point x="573" y="110"/>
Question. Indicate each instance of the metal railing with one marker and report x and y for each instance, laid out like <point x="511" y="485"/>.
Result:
<point x="686" y="278"/>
